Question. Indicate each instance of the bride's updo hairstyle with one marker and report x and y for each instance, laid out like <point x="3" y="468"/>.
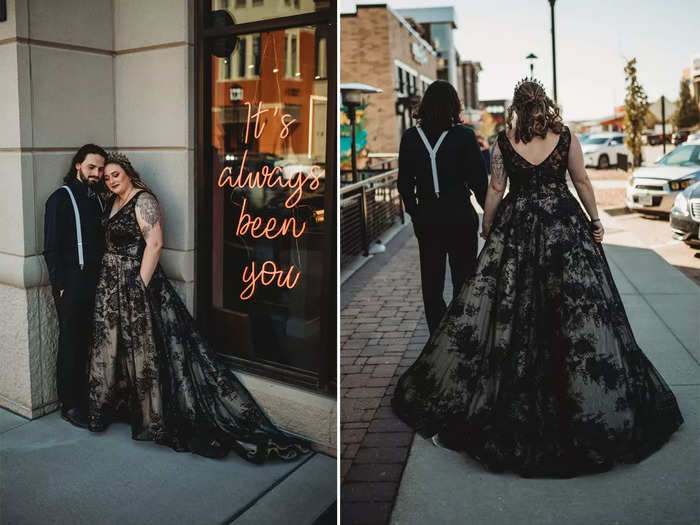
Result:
<point x="122" y="160"/>
<point x="439" y="108"/>
<point x="534" y="112"/>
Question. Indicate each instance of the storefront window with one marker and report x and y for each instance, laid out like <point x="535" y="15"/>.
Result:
<point x="269" y="234"/>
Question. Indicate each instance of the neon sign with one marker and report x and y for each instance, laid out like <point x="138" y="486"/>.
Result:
<point x="268" y="273"/>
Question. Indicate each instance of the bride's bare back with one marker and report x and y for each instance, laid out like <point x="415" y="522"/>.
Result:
<point x="537" y="150"/>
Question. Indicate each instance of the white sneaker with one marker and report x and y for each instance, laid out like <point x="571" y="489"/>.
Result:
<point x="436" y="441"/>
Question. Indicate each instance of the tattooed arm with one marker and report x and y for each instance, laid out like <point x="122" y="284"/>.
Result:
<point x="494" y="194"/>
<point x="148" y="217"/>
<point x="583" y="185"/>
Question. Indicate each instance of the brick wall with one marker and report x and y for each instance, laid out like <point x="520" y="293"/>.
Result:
<point x="370" y="41"/>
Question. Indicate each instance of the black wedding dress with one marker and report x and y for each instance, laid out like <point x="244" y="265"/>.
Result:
<point x="149" y="366"/>
<point x="534" y="368"/>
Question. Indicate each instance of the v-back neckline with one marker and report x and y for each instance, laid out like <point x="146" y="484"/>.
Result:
<point x="123" y="206"/>
<point x="556" y="146"/>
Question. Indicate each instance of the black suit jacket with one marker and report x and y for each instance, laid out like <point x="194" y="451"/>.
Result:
<point x="60" y="238"/>
<point x="460" y="166"/>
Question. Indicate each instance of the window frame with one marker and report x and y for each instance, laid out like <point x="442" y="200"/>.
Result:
<point x="324" y="378"/>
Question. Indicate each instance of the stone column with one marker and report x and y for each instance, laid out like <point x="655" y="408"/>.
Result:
<point x="56" y="94"/>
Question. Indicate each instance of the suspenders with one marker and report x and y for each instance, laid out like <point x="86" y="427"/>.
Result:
<point x="78" y="228"/>
<point x="432" y="151"/>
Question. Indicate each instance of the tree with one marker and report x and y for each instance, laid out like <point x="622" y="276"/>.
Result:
<point x="686" y="114"/>
<point x="636" y="108"/>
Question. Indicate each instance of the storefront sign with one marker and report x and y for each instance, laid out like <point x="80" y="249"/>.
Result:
<point x="268" y="273"/>
<point x="419" y="53"/>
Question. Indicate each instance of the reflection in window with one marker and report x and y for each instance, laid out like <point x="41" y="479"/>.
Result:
<point x="240" y="57"/>
<point x="255" y="66"/>
<point x="244" y="11"/>
<point x="291" y="53"/>
<point x="321" y="58"/>
<point x="282" y="324"/>
<point x="244" y="61"/>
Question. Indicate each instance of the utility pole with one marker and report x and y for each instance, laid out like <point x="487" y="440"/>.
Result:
<point x="663" y="122"/>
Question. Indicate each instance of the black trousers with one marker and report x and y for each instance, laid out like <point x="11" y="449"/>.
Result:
<point x="75" y="317"/>
<point x="444" y="233"/>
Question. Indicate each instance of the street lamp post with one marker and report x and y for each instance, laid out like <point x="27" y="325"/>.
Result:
<point x="663" y="122"/>
<point x="554" y="52"/>
<point x="532" y="57"/>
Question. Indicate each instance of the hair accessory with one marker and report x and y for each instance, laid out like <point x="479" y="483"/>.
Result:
<point x="119" y="158"/>
<point x="530" y="80"/>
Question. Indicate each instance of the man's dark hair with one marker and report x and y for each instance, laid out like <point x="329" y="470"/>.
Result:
<point x="79" y="157"/>
<point x="440" y="107"/>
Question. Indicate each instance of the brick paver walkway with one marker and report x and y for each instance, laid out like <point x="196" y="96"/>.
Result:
<point x="383" y="330"/>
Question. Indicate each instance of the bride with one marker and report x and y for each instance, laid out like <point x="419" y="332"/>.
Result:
<point x="534" y="368"/>
<point x="148" y="364"/>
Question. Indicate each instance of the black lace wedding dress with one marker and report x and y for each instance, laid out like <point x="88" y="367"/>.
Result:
<point x="534" y="367"/>
<point x="149" y="365"/>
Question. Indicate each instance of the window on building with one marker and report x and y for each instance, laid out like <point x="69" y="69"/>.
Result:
<point x="244" y="62"/>
<point x="399" y="77"/>
<point x="241" y="58"/>
<point x="245" y="11"/>
<point x="291" y="54"/>
<point x="321" y="56"/>
<point x="256" y="55"/>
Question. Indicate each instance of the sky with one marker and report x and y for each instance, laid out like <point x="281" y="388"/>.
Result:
<point x="594" y="39"/>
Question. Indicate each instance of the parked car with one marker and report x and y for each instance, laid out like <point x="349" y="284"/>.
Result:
<point x="600" y="149"/>
<point x="653" y="189"/>
<point x="685" y="216"/>
<point x="680" y="136"/>
<point x="582" y="137"/>
<point x="693" y="138"/>
<point x="654" y="139"/>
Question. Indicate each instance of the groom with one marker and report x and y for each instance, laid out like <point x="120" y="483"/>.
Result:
<point x="73" y="248"/>
<point x="445" y="225"/>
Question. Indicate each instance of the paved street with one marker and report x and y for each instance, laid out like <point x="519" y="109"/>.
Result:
<point x="390" y="475"/>
<point x="54" y="473"/>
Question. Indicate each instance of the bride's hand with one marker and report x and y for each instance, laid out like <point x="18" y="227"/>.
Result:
<point x="485" y="228"/>
<point x="598" y="232"/>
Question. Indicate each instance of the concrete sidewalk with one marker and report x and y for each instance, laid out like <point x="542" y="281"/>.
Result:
<point x="54" y="473"/>
<point x="440" y="486"/>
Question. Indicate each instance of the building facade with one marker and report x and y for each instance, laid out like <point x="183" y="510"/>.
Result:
<point x="382" y="49"/>
<point x="189" y="95"/>
<point x="469" y="89"/>
<point x="497" y="108"/>
<point x="438" y="24"/>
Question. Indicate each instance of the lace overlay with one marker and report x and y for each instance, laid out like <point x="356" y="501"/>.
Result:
<point x="149" y="365"/>
<point x="534" y="367"/>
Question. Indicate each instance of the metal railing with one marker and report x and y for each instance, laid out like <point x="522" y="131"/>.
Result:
<point x="376" y="166"/>
<point x="368" y="208"/>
